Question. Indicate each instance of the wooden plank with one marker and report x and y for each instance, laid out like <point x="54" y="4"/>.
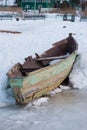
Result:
<point x="53" y="58"/>
<point x="7" y="31"/>
<point x="29" y="69"/>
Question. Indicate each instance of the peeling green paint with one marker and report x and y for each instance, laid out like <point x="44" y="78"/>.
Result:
<point x="43" y="74"/>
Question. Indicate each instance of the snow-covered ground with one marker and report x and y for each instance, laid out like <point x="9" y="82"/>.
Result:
<point x="64" y="111"/>
<point x="38" y="36"/>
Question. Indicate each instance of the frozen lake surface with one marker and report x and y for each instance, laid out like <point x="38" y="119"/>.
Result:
<point x="64" y="111"/>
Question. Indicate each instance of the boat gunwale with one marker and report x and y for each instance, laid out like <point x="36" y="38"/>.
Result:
<point x="44" y="68"/>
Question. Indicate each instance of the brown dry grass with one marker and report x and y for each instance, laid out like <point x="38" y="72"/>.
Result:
<point x="63" y="10"/>
<point x="11" y="9"/>
<point x="54" y="10"/>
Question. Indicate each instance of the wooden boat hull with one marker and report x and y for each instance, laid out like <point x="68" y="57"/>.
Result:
<point x="42" y="81"/>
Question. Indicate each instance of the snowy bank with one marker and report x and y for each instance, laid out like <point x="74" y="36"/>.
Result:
<point x="38" y="36"/>
<point x="78" y="76"/>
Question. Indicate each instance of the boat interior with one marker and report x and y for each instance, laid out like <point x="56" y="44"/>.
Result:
<point x="60" y="50"/>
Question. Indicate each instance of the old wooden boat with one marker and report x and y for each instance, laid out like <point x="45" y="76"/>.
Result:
<point x="38" y="76"/>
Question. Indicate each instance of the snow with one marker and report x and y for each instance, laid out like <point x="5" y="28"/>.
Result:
<point x="65" y="110"/>
<point x="38" y="102"/>
<point x="78" y="77"/>
<point x="38" y="36"/>
<point x="57" y="90"/>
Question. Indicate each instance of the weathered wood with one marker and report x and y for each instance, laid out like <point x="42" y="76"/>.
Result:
<point x="37" y="78"/>
<point x="7" y="31"/>
<point x="29" y="70"/>
<point x="15" y="71"/>
<point x="31" y="63"/>
<point x="52" y="58"/>
<point x="42" y="88"/>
